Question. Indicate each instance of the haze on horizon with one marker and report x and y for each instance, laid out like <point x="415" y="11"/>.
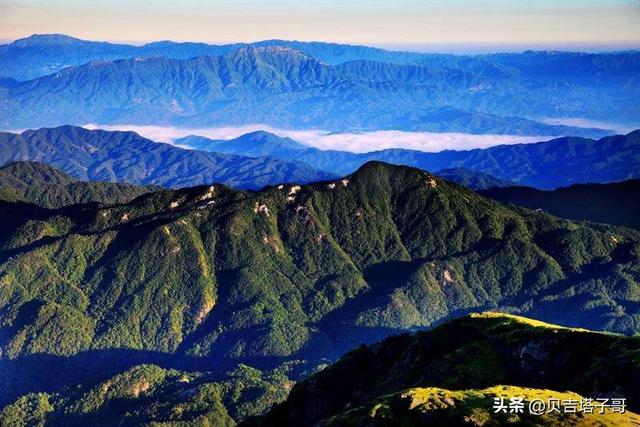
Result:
<point x="456" y="26"/>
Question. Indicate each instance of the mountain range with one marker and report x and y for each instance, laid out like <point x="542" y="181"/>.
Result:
<point x="127" y="157"/>
<point x="42" y="54"/>
<point x="278" y="85"/>
<point x="209" y="277"/>
<point x="613" y="203"/>
<point x="263" y="282"/>
<point x="262" y="143"/>
<point x="550" y="164"/>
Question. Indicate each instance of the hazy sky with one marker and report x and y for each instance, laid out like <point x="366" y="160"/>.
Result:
<point x="430" y="25"/>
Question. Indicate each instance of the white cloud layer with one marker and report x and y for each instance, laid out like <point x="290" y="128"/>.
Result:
<point x="354" y="142"/>
<point x="587" y="123"/>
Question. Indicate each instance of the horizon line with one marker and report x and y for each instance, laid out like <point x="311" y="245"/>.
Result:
<point x="426" y="47"/>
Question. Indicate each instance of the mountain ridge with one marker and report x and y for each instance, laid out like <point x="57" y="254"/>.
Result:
<point x="613" y="203"/>
<point x="48" y="187"/>
<point x="127" y="157"/>
<point x="548" y="164"/>
<point x="375" y="380"/>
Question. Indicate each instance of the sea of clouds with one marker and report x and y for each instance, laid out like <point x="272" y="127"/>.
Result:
<point x="355" y="142"/>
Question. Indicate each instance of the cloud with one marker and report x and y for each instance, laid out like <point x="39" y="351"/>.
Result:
<point x="422" y="141"/>
<point x="354" y="142"/>
<point x="587" y="123"/>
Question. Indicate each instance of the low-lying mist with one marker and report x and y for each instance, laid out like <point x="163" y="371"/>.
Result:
<point x="355" y="142"/>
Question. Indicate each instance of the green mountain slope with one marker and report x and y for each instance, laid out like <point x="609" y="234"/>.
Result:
<point x="208" y="277"/>
<point x="616" y="203"/>
<point x="46" y="186"/>
<point x="403" y="380"/>
<point x="148" y="394"/>
<point x="96" y="155"/>
<point x="400" y="381"/>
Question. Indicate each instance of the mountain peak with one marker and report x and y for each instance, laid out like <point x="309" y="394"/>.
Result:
<point x="260" y="134"/>
<point x="265" y="137"/>
<point x="31" y="170"/>
<point x="79" y="131"/>
<point x="45" y="40"/>
<point x="254" y="144"/>
<point x="277" y="49"/>
<point x="374" y="167"/>
<point x="255" y="52"/>
<point x="376" y="174"/>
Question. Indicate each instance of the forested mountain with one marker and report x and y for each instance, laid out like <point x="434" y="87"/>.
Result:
<point x="208" y="277"/>
<point x="263" y="282"/>
<point x="285" y="87"/>
<point x="403" y="380"/>
<point x="616" y="203"/>
<point x="46" y="186"/>
<point x="550" y="164"/>
<point x="144" y="395"/>
<point x="127" y="157"/>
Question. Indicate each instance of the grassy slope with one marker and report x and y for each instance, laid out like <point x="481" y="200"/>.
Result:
<point x="474" y="352"/>
<point x="437" y="406"/>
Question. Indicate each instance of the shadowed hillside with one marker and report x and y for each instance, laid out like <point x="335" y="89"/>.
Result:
<point x="616" y="203"/>
<point x="404" y="380"/>
<point x="46" y="186"/>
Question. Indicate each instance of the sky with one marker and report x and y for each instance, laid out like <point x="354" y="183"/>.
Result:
<point x="456" y="25"/>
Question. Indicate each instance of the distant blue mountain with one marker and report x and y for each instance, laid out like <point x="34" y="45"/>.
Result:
<point x="96" y="155"/>
<point x="285" y="87"/>
<point x="42" y="54"/>
<point x="556" y="163"/>
<point x="259" y="143"/>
